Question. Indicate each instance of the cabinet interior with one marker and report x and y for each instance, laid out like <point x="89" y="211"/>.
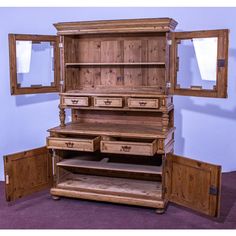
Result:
<point x="122" y="62"/>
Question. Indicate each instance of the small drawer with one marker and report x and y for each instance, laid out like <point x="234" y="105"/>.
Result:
<point x="108" y="102"/>
<point x="75" y="101"/>
<point x="88" y="144"/>
<point x="146" y="148"/>
<point x="143" y="102"/>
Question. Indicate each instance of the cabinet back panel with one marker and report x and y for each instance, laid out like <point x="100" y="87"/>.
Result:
<point x="117" y="117"/>
<point x="110" y="50"/>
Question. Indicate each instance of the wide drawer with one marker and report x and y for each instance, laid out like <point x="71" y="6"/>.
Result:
<point x="143" y="102"/>
<point x="146" y="148"/>
<point x="88" y="144"/>
<point x="75" y="101"/>
<point x="107" y="102"/>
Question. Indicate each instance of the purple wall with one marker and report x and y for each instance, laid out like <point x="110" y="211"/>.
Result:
<point x="206" y="128"/>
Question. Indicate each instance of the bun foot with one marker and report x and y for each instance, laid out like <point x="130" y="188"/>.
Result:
<point x="55" y="197"/>
<point x="160" y="210"/>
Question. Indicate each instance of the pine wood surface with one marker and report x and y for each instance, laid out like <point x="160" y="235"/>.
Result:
<point x="120" y="130"/>
<point x="111" y="166"/>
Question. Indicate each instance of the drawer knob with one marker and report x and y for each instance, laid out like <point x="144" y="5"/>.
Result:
<point x="107" y="102"/>
<point x="142" y="103"/>
<point x="125" y="148"/>
<point x="69" y="144"/>
<point x="74" y="101"/>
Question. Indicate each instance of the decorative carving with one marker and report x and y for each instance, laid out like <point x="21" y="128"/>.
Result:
<point x="62" y="116"/>
<point x="165" y="122"/>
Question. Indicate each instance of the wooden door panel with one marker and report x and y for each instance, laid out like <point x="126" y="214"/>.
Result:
<point x="193" y="184"/>
<point x="27" y="172"/>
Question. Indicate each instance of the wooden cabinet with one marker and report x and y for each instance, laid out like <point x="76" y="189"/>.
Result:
<point x="118" y="79"/>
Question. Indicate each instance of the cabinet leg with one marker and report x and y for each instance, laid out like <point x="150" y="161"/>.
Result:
<point x="55" y="197"/>
<point x="160" y="211"/>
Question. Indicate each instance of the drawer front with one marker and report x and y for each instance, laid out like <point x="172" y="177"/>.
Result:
<point x="75" y="101"/>
<point x="89" y="145"/>
<point x="107" y="102"/>
<point x="131" y="148"/>
<point x="143" y="102"/>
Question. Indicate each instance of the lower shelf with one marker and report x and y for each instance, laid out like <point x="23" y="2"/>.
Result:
<point x="109" y="189"/>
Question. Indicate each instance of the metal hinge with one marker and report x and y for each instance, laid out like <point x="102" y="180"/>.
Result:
<point x="169" y="42"/>
<point x="12" y="90"/>
<point x="53" y="162"/>
<point x="60" y="45"/>
<point x="168" y="85"/>
<point x="221" y="63"/>
<point x="213" y="190"/>
<point x="165" y="189"/>
<point x="7" y="179"/>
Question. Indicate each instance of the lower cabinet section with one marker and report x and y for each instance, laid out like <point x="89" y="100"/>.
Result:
<point x="108" y="178"/>
<point x="109" y="189"/>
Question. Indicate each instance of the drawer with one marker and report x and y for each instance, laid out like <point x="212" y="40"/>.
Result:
<point x="88" y="144"/>
<point x="143" y="102"/>
<point x="75" y="101"/>
<point x="108" y="102"/>
<point x="146" y="148"/>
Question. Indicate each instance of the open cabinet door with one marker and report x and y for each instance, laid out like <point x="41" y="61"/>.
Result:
<point x="198" y="63"/>
<point x="27" y="172"/>
<point x="193" y="184"/>
<point x="34" y="63"/>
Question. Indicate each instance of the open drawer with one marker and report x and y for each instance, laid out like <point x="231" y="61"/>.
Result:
<point x="122" y="146"/>
<point x="88" y="144"/>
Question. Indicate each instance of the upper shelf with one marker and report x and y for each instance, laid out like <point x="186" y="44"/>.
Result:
<point x="116" y="64"/>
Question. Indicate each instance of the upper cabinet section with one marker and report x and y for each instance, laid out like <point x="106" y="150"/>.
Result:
<point x="114" y="63"/>
<point x="117" y="26"/>
<point x="34" y="64"/>
<point x="198" y="63"/>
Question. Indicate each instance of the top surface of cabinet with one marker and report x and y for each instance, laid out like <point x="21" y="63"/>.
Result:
<point x="116" y="26"/>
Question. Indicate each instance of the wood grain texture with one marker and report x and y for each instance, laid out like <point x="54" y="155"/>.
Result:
<point x="77" y="144"/>
<point x="116" y="130"/>
<point x="188" y="183"/>
<point x="116" y="26"/>
<point x="130" y="147"/>
<point x="104" y="164"/>
<point x="28" y="172"/>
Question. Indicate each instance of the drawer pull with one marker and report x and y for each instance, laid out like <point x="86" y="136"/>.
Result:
<point x="74" y="101"/>
<point x="142" y="103"/>
<point x="107" y="102"/>
<point x="125" y="148"/>
<point x="69" y="144"/>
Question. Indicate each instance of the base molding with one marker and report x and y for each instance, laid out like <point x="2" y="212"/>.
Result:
<point x="160" y="204"/>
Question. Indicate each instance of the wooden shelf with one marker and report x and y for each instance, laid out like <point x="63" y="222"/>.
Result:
<point x="123" y="187"/>
<point x="119" y="130"/>
<point x="116" y="64"/>
<point x="109" y="166"/>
